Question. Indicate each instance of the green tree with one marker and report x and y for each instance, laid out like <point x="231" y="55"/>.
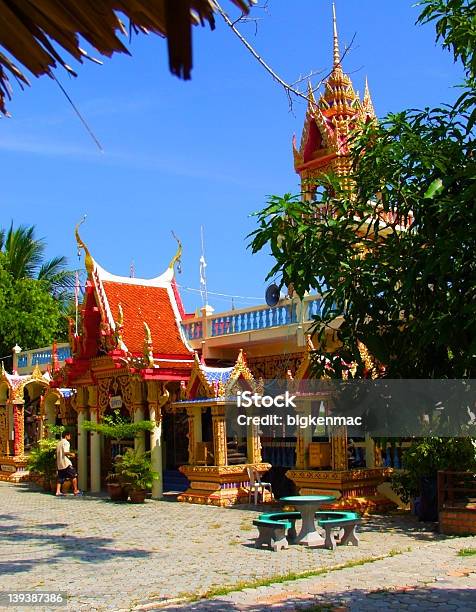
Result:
<point x="409" y="295"/>
<point x="29" y="314"/>
<point x="35" y="293"/>
<point x="23" y="256"/>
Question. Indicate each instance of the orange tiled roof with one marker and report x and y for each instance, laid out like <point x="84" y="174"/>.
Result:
<point x="150" y="304"/>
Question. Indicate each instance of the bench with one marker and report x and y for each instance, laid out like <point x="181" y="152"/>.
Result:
<point x="346" y="522"/>
<point x="272" y="533"/>
<point x="279" y="517"/>
<point x="274" y="527"/>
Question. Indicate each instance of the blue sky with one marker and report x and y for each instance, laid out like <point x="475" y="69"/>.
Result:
<point x="178" y="155"/>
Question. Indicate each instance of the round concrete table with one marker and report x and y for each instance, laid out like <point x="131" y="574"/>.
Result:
<point x="308" y="505"/>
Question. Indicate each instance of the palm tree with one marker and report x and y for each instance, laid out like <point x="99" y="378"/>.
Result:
<point x="22" y="255"/>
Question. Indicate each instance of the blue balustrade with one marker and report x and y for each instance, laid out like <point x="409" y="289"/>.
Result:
<point x="41" y="357"/>
<point x="64" y="352"/>
<point x="193" y="330"/>
<point x="313" y="308"/>
<point x="23" y="361"/>
<point x="251" y="320"/>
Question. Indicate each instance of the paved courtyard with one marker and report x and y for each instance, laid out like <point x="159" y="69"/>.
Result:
<point x="161" y="554"/>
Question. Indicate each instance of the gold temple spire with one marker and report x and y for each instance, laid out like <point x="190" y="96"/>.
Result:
<point x="178" y="255"/>
<point x="367" y="104"/>
<point x="336" y="38"/>
<point x="88" y="260"/>
<point x="148" y="349"/>
<point x="310" y="93"/>
<point x="119" y="323"/>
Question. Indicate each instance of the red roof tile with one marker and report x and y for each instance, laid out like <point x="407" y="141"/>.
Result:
<point x="150" y="304"/>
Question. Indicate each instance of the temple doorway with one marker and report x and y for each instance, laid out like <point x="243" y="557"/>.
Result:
<point x="175" y="437"/>
<point x="32" y="395"/>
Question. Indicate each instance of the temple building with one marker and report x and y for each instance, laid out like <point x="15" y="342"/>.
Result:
<point x="329" y="121"/>
<point x="138" y="352"/>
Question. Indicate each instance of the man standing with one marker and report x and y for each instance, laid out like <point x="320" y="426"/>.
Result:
<point x="65" y="468"/>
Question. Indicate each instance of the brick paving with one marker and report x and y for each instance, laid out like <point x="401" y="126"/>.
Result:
<point x="124" y="557"/>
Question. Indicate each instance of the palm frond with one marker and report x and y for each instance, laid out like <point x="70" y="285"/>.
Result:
<point x="23" y="253"/>
<point x="35" y="33"/>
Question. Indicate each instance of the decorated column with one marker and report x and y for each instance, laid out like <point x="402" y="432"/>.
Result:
<point x="18" y="428"/>
<point x="3" y="430"/>
<point x="369" y="452"/>
<point x="41" y="419"/>
<point x="95" y="483"/>
<point x="253" y="442"/>
<point x="219" y="435"/>
<point x="157" y="397"/>
<point x="303" y="437"/>
<point x="339" y="448"/>
<point x="194" y="432"/>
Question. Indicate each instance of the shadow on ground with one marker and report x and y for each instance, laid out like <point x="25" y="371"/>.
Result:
<point x="56" y="547"/>
<point x="423" y="599"/>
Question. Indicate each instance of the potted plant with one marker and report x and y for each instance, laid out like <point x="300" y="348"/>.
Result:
<point x="118" y="428"/>
<point x="135" y="469"/>
<point x="115" y="487"/>
<point x="42" y="462"/>
<point x="421" y="463"/>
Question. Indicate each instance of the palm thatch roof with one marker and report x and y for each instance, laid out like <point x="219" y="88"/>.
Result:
<point x="38" y="34"/>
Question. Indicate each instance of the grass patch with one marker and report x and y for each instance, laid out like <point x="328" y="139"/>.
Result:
<point x="466" y="552"/>
<point x="260" y="582"/>
<point x="246" y="525"/>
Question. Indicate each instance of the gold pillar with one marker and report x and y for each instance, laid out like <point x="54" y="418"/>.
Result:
<point x="339" y="448"/>
<point x="157" y="397"/>
<point x="95" y="470"/>
<point x="219" y="435"/>
<point x="303" y="437"/>
<point x="3" y="430"/>
<point x="18" y="428"/>
<point x="41" y="419"/>
<point x="369" y="452"/>
<point x="253" y="442"/>
<point x="194" y="432"/>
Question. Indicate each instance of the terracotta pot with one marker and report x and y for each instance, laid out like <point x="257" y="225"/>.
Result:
<point x="116" y="492"/>
<point x="66" y="487"/>
<point x="138" y="496"/>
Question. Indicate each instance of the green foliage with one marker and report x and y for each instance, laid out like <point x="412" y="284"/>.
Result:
<point x="29" y="315"/>
<point x="23" y="256"/>
<point x="34" y="294"/>
<point x="426" y="457"/>
<point x="410" y="296"/>
<point x="42" y="458"/>
<point x="466" y="552"/>
<point x="117" y="427"/>
<point x="135" y="470"/>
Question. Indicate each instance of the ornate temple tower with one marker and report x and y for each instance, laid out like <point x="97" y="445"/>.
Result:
<point x="328" y="123"/>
